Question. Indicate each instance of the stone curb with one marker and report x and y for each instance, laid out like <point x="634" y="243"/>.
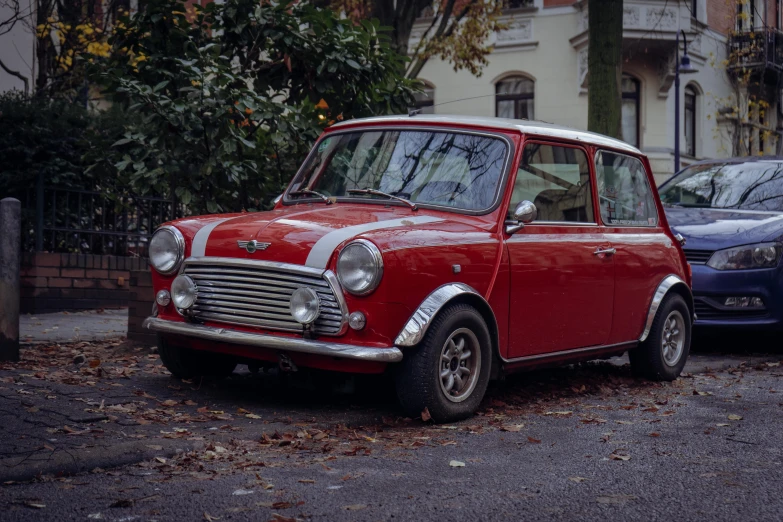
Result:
<point x="61" y="462"/>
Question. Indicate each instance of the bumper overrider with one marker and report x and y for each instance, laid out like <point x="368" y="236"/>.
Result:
<point x="273" y="342"/>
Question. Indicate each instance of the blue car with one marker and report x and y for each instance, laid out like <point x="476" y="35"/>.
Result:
<point x="730" y="213"/>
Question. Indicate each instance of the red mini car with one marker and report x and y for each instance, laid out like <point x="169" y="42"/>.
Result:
<point x="447" y="249"/>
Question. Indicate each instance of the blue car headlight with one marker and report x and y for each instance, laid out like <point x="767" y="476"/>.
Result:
<point x="762" y="255"/>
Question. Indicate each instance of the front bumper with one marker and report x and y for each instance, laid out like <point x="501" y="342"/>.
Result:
<point x="272" y="342"/>
<point x="711" y="287"/>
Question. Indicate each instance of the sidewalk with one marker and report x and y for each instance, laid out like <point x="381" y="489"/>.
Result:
<point x="90" y="325"/>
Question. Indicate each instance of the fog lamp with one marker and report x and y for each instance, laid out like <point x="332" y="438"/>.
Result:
<point x="744" y="302"/>
<point x="305" y="305"/>
<point x="357" y="320"/>
<point x="183" y="292"/>
<point x="163" y="297"/>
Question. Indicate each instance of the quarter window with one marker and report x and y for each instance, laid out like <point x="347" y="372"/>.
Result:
<point x="514" y="98"/>
<point x="624" y="193"/>
<point x="557" y="181"/>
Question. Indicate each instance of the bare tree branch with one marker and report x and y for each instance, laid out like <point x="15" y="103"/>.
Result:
<point x="18" y="75"/>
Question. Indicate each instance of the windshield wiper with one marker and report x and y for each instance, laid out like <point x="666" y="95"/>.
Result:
<point x="311" y="193"/>
<point x="379" y="193"/>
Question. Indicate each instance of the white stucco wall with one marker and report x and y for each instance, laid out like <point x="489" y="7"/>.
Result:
<point x="547" y="54"/>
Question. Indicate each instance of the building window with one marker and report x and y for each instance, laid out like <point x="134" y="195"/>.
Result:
<point x="425" y="100"/>
<point x="694" y="9"/>
<point x="630" y="110"/>
<point x="514" y="98"/>
<point x="690" y="121"/>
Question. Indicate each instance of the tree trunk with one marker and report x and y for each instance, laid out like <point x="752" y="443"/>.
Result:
<point x="604" y="63"/>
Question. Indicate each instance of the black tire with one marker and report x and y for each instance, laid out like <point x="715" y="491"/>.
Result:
<point x="651" y="359"/>
<point x="418" y="380"/>
<point x="185" y="363"/>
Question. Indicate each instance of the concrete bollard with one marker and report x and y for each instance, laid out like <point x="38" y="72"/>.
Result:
<point x="10" y="258"/>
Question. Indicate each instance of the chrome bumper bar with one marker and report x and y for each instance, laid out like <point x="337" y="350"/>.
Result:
<point x="288" y="344"/>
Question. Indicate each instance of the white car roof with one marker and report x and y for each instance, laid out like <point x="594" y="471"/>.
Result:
<point x="539" y="128"/>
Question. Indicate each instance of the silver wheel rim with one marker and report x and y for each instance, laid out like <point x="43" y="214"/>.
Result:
<point x="460" y="365"/>
<point x="673" y="338"/>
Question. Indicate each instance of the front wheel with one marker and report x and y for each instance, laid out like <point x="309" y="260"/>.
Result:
<point x="448" y="372"/>
<point x="662" y="356"/>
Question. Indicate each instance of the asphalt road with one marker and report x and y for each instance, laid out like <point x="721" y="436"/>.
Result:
<point x="586" y="442"/>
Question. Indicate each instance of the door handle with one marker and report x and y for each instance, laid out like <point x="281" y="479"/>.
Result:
<point x="607" y="251"/>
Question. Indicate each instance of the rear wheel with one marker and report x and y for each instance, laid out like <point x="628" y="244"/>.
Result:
<point x="186" y="363"/>
<point x="449" y="370"/>
<point x="662" y="356"/>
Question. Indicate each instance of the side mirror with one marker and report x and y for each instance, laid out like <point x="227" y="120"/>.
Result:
<point x="526" y="212"/>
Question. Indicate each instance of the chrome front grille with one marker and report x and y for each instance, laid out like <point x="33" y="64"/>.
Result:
<point x="258" y="293"/>
<point x="697" y="257"/>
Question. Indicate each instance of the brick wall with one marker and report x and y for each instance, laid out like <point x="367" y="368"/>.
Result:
<point x="57" y="282"/>
<point x="140" y="301"/>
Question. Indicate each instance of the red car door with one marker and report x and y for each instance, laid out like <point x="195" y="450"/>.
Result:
<point x="561" y="264"/>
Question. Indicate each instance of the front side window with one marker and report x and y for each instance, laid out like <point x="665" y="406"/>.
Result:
<point x="743" y="186"/>
<point x="462" y="171"/>
<point x="514" y="98"/>
<point x="557" y="180"/>
<point x="624" y="192"/>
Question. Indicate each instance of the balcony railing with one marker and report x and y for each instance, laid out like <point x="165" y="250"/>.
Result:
<point x="756" y="49"/>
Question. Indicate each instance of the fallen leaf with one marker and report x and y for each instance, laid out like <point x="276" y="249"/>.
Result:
<point x="735" y="417"/>
<point x="160" y="459"/>
<point x="307" y="481"/>
<point x="620" y="456"/>
<point x="456" y="464"/>
<point x="577" y="479"/>
<point x="655" y="434"/>
<point x="722" y="425"/>
<point x="564" y="413"/>
<point x="122" y="503"/>
<point x="35" y="505"/>
<point x="155" y="447"/>
<point x="355" y="507"/>
<point x="534" y="441"/>
<point x="282" y="505"/>
<point x="243" y="492"/>
<point x="210" y="518"/>
<point x="94" y="363"/>
<point x="252" y="416"/>
<point x="169" y="403"/>
<point x="425" y="415"/>
<point x="513" y="428"/>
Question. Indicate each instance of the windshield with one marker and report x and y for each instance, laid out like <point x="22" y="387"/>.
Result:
<point x="462" y="171"/>
<point x="744" y="186"/>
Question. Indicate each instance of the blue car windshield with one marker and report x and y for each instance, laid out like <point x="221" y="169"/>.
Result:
<point x="745" y="186"/>
<point x="448" y="169"/>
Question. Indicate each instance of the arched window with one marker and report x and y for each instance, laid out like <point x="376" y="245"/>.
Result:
<point x="514" y="98"/>
<point x="630" y="110"/>
<point x="425" y="100"/>
<point x="690" y="120"/>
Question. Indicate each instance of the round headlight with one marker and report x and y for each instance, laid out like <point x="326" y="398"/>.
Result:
<point x="167" y="249"/>
<point x="360" y="267"/>
<point x="183" y="292"/>
<point x="305" y="305"/>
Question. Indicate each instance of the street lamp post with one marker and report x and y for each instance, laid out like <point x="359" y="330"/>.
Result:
<point x="683" y="67"/>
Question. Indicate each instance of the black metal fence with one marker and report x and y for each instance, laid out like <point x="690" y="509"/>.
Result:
<point x="90" y="222"/>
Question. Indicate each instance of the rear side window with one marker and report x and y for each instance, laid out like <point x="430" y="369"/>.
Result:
<point x="624" y="193"/>
<point x="557" y="180"/>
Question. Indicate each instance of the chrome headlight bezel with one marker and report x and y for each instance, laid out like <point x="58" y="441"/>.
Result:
<point x="373" y="267"/>
<point x="177" y="243"/>
<point x="747" y="257"/>
<point x="183" y="287"/>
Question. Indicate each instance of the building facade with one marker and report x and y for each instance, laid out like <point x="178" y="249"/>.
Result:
<point x="539" y="70"/>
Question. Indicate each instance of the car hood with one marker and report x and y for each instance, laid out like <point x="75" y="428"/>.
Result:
<point x="714" y="229"/>
<point x="307" y="234"/>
